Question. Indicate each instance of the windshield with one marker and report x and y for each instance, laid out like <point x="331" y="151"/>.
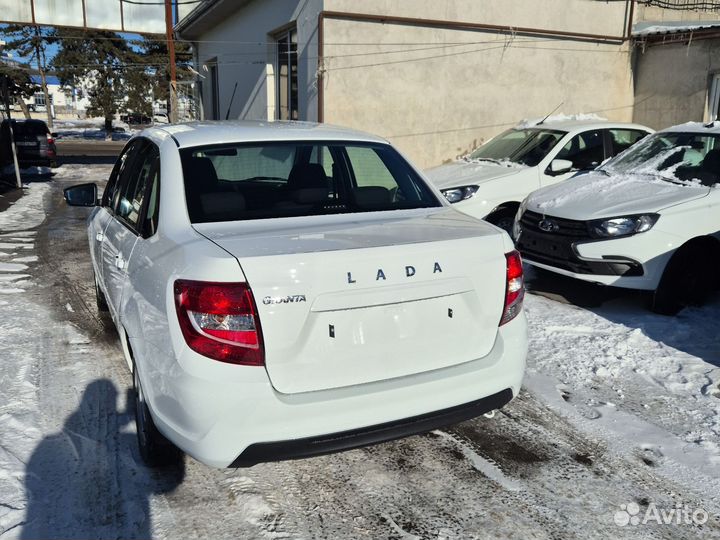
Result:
<point x="674" y="157"/>
<point x="233" y="182"/>
<point x="523" y="146"/>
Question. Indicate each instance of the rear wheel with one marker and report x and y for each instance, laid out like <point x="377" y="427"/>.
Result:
<point x="155" y="449"/>
<point x="684" y="281"/>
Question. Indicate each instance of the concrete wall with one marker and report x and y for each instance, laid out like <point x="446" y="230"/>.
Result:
<point x="437" y="99"/>
<point x="671" y="83"/>
<point x="242" y="45"/>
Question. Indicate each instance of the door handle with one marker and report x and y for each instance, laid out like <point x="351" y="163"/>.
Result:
<point x="99" y="237"/>
<point x="119" y="261"/>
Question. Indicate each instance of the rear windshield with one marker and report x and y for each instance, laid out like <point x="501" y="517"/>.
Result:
<point x="283" y="179"/>
<point x="29" y="128"/>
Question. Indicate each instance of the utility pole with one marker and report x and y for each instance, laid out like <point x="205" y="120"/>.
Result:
<point x="13" y="148"/>
<point x="173" y="116"/>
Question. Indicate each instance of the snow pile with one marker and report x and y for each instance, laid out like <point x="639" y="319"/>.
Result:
<point x="493" y="162"/>
<point x="27" y="212"/>
<point x="91" y="128"/>
<point x="561" y="117"/>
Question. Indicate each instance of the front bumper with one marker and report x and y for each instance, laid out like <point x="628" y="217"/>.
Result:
<point x="229" y="420"/>
<point x="634" y="262"/>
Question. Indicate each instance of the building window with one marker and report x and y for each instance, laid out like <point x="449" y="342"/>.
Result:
<point x="714" y="98"/>
<point x="286" y="81"/>
<point x="39" y="99"/>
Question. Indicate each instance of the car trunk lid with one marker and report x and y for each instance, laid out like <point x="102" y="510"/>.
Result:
<point x="352" y="299"/>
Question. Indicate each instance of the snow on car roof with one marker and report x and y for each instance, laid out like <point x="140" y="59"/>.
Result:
<point x="219" y="132"/>
<point x="574" y="122"/>
<point x="696" y="127"/>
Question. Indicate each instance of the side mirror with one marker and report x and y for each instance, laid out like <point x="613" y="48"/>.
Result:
<point x="81" y="195"/>
<point x="560" y="166"/>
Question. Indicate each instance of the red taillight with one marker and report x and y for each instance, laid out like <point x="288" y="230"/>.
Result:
<point x="50" y="140"/>
<point x="514" y="287"/>
<point x="220" y="321"/>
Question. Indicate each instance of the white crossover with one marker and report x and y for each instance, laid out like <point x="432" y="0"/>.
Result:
<point x="648" y="219"/>
<point x="490" y="182"/>
<point x="287" y="289"/>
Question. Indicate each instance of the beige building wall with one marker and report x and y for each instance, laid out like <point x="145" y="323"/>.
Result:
<point x="439" y="93"/>
<point x="672" y="82"/>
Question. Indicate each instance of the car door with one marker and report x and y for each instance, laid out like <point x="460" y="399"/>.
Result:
<point x="103" y="215"/>
<point x="585" y="150"/>
<point x="123" y="231"/>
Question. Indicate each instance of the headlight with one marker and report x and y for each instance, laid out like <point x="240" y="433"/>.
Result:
<point x="622" y="226"/>
<point x="458" y="194"/>
<point x="517" y="229"/>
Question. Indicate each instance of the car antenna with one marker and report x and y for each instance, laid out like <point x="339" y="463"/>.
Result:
<point x="548" y="116"/>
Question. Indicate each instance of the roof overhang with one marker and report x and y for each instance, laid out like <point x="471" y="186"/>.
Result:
<point x="206" y="15"/>
<point x="675" y="31"/>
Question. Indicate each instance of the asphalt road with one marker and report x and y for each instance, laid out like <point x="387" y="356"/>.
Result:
<point x="76" y="148"/>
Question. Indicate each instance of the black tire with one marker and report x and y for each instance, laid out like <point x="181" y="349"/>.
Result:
<point x="155" y="449"/>
<point x="100" y="299"/>
<point x="683" y="282"/>
<point x="503" y="219"/>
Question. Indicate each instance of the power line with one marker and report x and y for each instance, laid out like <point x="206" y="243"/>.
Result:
<point x="175" y="2"/>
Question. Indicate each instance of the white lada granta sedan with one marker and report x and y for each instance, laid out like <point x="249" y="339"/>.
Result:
<point x="647" y="219"/>
<point x="285" y="290"/>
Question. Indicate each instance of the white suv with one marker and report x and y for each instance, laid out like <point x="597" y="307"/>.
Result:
<point x="287" y="289"/>
<point x="491" y="181"/>
<point x="648" y="219"/>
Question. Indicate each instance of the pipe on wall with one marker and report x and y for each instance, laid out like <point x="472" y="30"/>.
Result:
<point x="456" y="25"/>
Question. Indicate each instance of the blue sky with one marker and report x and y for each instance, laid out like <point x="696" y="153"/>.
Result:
<point x="51" y="49"/>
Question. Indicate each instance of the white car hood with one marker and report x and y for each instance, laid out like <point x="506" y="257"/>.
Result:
<point x="464" y="173"/>
<point x="596" y="195"/>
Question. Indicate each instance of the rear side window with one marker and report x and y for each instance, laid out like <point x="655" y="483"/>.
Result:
<point x="283" y="179"/>
<point x="142" y="176"/>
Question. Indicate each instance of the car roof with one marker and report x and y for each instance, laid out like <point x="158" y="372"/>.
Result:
<point x="577" y="125"/>
<point x="233" y="131"/>
<point x="712" y="128"/>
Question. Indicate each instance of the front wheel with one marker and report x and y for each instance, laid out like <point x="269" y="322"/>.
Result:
<point x="155" y="449"/>
<point x="682" y="283"/>
<point x="503" y="219"/>
<point x="100" y="300"/>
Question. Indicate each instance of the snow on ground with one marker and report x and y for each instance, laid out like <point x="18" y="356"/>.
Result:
<point x="619" y="416"/>
<point x="91" y="128"/>
<point x="649" y="381"/>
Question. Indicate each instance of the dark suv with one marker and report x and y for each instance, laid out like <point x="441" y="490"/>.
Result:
<point x="33" y="140"/>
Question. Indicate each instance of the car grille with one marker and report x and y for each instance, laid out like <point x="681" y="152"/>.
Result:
<point x="566" y="227"/>
<point x="556" y="248"/>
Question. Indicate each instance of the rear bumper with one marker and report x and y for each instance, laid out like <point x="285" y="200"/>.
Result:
<point x="335" y="442"/>
<point x="224" y="415"/>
